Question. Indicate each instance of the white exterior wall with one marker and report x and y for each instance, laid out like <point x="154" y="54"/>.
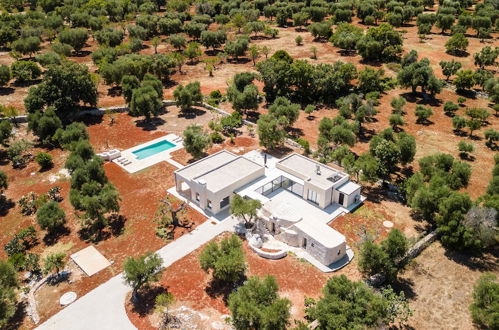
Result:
<point x="350" y="199"/>
<point x="324" y="254"/>
<point x="206" y="195"/>
<point x="321" y="194"/>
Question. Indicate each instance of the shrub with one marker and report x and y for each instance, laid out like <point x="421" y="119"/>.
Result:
<point x="25" y="71"/>
<point x="51" y="217"/>
<point x="225" y="260"/>
<point x="216" y="138"/>
<point x="299" y="40"/>
<point x="485" y="308"/>
<point x="450" y="107"/>
<point x="304" y="144"/>
<point x="44" y="160"/>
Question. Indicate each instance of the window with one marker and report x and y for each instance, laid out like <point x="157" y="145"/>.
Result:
<point x="209" y="204"/>
<point x="339" y="252"/>
<point x="278" y="183"/>
<point x="312" y="196"/>
<point x="197" y="197"/>
<point x="341" y="199"/>
<point x="312" y="244"/>
<point x="296" y="188"/>
<point x="224" y="202"/>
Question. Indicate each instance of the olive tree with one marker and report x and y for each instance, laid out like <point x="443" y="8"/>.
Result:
<point x="141" y="271"/>
<point x="196" y="140"/>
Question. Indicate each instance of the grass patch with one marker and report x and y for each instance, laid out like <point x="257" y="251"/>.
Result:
<point x="57" y="248"/>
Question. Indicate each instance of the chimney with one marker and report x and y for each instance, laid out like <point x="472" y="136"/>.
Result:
<point x="318" y="170"/>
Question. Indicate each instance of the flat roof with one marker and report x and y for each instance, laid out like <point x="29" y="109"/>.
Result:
<point x="206" y="164"/>
<point x="322" y="233"/>
<point x="308" y="169"/>
<point x="348" y="188"/>
<point x="90" y="260"/>
<point x="234" y="170"/>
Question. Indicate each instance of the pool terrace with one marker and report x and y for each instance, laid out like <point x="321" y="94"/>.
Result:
<point x="150" y="153"/>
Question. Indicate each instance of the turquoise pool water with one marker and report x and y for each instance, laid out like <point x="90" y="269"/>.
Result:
<point x="153" y="149"/>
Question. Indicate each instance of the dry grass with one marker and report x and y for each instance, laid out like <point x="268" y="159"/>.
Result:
<point x="440" y="286"/>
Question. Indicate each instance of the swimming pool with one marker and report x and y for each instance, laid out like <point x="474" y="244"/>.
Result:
<point x="153" y="149"/>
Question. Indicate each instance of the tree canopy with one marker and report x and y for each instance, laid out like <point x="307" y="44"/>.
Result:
<point x="257" y="305"/>
<point x="226" y="260"/>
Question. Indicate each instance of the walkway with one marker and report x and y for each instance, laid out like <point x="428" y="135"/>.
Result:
<point x="104" y="307"/>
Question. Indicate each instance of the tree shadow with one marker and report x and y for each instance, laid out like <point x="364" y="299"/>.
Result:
<point x="484" y="262"/>
<point x="117" y="224"/>
<point x="51" y="238"/>
<point x="466" y="156"/>
<point x="114" y="91"/>
<point x="459" y="53"/>
<point x="252" y="115"/>
<point x="239" y="60"/>
<point x="345" y="52"/>
<point x="16" y="321"/>
<point x="475" y="137"/>
<point x="90" y="120"/>
<point x="468" y="93"/>
<point x="459" y="132"/>
<point x="217" y="288"/>
<point x="429" y="100"/>
<point x="279" y="152"/>
<point x="5" y="205"/>
<point x="294" y="131"/>
<point x="146" y="300"/>
<point x="424" y="122"/>
<point x="150" y="124"/>
<point x="366" y="135"/>
<point x="26" y="83"/>
<point x="406" y="286"/>
<point x="492" y="146"/>
<point x="81" y="53"/>
<point x="6" y="91"/>
<point x="192" y="113"/>
<point x="212" y="52"/>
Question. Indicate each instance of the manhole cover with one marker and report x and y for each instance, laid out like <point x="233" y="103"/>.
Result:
<point x="67" y="298"/>
<point x="388" y="224"/>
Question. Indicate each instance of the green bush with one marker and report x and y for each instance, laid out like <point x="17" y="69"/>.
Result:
<point x="304" y="144"/>
<point x="485" y="306"/>
<point x="44" y="160"/>
<point x="216" y="138"/>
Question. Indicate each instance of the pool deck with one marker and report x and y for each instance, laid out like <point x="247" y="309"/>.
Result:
<point x="136" y="165"/>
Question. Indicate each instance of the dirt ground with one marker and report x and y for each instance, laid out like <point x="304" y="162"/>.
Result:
<point x="440" y="284"/>
<point x="140" y="193"/>
<point x="191" y="285"/>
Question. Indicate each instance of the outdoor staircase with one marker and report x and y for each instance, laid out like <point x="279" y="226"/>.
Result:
<point x="123" y="161"/>
<point x="178" y="139"/>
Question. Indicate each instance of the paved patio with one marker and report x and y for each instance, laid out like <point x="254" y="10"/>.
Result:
<point x="130" y="162"/>
<point x="305" y="209"/>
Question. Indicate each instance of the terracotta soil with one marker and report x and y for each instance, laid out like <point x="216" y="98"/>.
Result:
<point x="240" y="146"/>
<point x="139" y="193"/>
<point x="191" y="285"/>
<point x="438" y="136"/>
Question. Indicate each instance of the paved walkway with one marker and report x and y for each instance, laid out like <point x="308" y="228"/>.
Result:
<point x="104" y="307"/>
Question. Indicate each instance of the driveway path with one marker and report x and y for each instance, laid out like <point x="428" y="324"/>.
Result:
<point x="104" y="307"/>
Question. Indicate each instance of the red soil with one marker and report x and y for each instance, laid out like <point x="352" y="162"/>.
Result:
<point x="191" y="285"/>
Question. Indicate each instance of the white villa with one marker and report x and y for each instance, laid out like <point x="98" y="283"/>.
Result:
<point x="299" y="196"/>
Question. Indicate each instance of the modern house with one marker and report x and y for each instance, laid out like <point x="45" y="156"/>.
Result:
<point x="300" y="196"/>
